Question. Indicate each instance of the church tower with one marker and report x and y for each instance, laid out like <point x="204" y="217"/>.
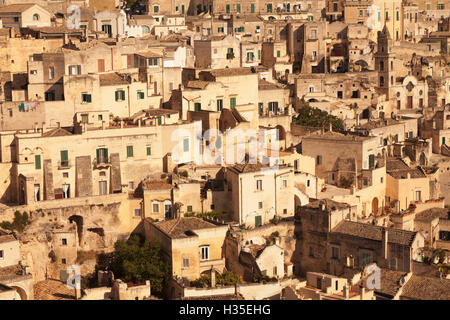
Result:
<point x="384" y="64"/>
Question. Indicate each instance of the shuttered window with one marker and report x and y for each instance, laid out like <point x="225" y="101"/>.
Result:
<point x="129" y="151"/>
<point x="37" y="162"/>
<point x="64" y="158"/>
<point x="232" y="102"/>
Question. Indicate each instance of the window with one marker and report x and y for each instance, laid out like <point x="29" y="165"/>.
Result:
<point x="418" y="195"/>
<point x="120" y="95"/>
<point x="269" y="7"/>
<point x="86" y="98"/>
<point x="319" y="159"/>
<point x="186" y="144"/>
<point x="63" y="261"/>
<point x="1" y="255"/>
<point x="131" y="185"/>
<point x="366" y="258"/>
<point x="228" y="8"/>
<point x="252" y="8"/>
<point x="155" y="9"/>
<point x="149" y="151"/>
<point x="137" y="213"/>
<point x="334" y="252"/>
<point x="308" y="183"/>
<point x="74" y="69"/>
<point x="232" y="102"/>
<point x="51" y="73"/>
<point x="36" y="17"/>
<point x="219" y="105"/>
<point x="65" y="174"/>
<point x="278" y="53"/>
<point x="238" y="8"/>
<point x="64" y="242"/>
<point x="33" y="71"/>
<point x="204" y="253"/>
<point x="197" y="106"/>
<point x="259" y="185"/>
<point x="189" y="208"/>
<point x="155" y="207"/>
<point x="185" y="263"/>
<point x="64" y="158"/>
<point x="260" y="205"/>
<point x="102" y="155"/>
<point x="284" y="183"/>
<point x="37" y="162"/>
<point x="129" y="151"/>
<point x="100" y="117"/>
<point x="141" y="95"/>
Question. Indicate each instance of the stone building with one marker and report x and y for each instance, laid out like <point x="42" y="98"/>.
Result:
<point x="328" y="241"/>
<point x="191" y="246"/>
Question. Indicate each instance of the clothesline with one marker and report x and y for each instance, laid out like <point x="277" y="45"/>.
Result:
<point x="28" y="106"/>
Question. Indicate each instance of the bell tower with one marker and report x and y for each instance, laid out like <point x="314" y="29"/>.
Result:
<point x="384" y="64"/>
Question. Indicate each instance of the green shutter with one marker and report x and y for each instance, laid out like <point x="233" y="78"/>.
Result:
<point x="252" y="8"/>
<point x="232" y="102"/>
<point x="106" y="155"/>
<point x="98" y="155"/>
<point x="278" y="53"/>
<point x="122" y="94"/>
<point x="88" y="98"/>
<point x="37" y="162"/>
<point x="228" y="8"/>
<point x="149" y="151"/>
<point x="197" y="106"/>
<point x="238" y="7"/>
<point x="117" y="95"/>
<point x="64" y="158"/>
<point x="129" y="151"/>
<point x="443" y="140"/>
<point x="186" y="145"/>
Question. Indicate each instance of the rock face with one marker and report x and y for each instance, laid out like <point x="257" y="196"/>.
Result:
<point x="55" y="237"/>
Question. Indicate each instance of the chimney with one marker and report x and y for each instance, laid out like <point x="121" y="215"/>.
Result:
<point x="139" y="122"/>
<point x="213" y="278"/>
<point x="357" y="120"/>
<point x="384" y="240"/>
<point x="363" y="293"/>
<point x="58" y="124"/>
<point x="331" y="127"/>
<point x="121" y="123"/>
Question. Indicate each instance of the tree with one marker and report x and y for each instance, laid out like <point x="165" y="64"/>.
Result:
<point x="314" y="117"/>
<point x="136" y="260"/>
<point x="19" y="223"/>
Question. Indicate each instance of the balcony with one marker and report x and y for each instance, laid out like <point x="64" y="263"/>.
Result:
<point x="64" y="164"/>
<point x="207" y="264"/>
<point x="230" y="56"/>
<point x="102" y="164"/>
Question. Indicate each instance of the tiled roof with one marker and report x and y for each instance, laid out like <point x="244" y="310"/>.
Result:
<point x="110" y="79"/>
<point x="398" y="169"/>
<point x="390" y="282"/>
<point x="197" y="84"/>
<point x="266" y="85"/>
<point x="426" y="288"/>
<point x="336" y="136"/>
<point x="368" y="231"/>
<point x="16" y="8"/>
<point x="249" y="167"/>
<point x="157" y="185"/>
<point x="58" y="132"/>
<point x="432" y="214"/>
<point x="178" y="228"/>
<point x="229" y="72"/>
<point x="330" y="204"/>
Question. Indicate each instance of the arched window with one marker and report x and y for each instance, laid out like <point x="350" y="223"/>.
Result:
<point x="36" y="17"/>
